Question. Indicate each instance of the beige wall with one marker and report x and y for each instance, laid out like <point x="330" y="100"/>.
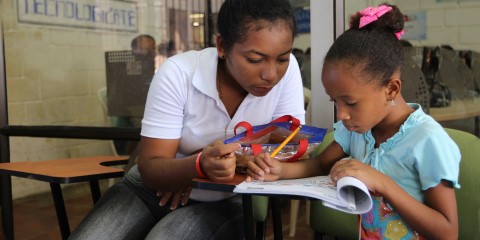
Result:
<point x="53" y="75"/>
<point x="451" y="22"/>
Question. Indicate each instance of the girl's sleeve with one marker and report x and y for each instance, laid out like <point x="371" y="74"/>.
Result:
<point x="437" y="158"/>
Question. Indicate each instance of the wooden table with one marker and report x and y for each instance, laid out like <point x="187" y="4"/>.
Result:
<point x="57" y="131"/>
<point x="72" y="170"/>
<point x="459" y="109"/>
<point x="206" y="184"/>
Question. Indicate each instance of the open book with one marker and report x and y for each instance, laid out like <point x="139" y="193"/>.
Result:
<point x="350" y="195"/>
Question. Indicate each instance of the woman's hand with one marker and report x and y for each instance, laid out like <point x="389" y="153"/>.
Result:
<point x="218" y="161"/>
<point x="372" y="178"/>
<point x="176" y="197"/>
<point x="264" y="168"/>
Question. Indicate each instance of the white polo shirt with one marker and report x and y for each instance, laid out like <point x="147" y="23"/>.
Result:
<point x="183" y="102"/>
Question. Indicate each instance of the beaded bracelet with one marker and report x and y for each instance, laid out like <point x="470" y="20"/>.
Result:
<point x="198" y="167"/>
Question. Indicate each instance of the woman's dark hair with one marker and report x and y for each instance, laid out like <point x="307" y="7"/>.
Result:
<point x="374" y="49"/>
<point x="237" y="17"/>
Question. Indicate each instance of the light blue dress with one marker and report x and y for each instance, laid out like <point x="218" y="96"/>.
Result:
<point x="417" y="157"/>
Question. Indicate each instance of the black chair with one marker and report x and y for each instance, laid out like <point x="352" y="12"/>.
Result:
<point x="414" y="84"/>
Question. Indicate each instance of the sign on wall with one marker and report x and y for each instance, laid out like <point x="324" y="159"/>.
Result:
<point x="302" y="16"/>
<point x="415" y="26"/>
<point x="110" y="15"/>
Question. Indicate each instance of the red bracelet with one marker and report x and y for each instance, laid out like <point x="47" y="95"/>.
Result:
<point x="198" y="167"/>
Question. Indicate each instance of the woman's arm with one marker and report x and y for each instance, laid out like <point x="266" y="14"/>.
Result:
<point x="159" y="168"/>
<point x="162" y="171"/>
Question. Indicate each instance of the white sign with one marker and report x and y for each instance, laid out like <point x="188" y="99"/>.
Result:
<point x="111" y="15"/>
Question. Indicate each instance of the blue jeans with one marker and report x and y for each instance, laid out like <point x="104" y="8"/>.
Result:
<point x="129" y="210"/>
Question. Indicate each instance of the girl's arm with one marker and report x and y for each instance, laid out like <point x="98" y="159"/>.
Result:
<point x="268" y="169"/>
<point x="436" y="219"/>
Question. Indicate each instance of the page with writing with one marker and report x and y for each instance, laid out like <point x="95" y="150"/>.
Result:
<point x="350" y="195"/>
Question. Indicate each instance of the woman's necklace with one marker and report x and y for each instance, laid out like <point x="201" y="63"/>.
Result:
<point x="219" y="87"/>
<point x="220" y="95"/>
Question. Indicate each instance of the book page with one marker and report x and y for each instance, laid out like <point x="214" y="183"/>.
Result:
<point x="319" y="187"/>
<point x="316" y="187"/>
<point x="355" y="194"/>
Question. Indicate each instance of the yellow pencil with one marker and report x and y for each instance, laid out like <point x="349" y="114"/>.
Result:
<point x="285" y="141"/>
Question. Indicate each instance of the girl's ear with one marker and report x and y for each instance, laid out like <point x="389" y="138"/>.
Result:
<point x="393" y="88"/>
<point x="220" y="50"/>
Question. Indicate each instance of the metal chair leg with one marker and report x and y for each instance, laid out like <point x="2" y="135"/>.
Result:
<point x="277" y="218"/>
<point x="95" y="190"/>
<point x="248" y="216"/>
<point x="60" y="209"/>
<point x="7" y="207"/>
<point x="260" y="230"/>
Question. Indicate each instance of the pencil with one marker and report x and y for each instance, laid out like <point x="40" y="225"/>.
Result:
<point x="285" y="141"/>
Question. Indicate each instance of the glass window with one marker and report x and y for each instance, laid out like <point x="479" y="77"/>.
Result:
<point x="442" y="39"/>
<point x="89" y="63"/>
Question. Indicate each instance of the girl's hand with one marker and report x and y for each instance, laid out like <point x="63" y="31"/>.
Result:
<point x="264" y="168"/>
<point x="363" y="172"/>
<point x="178" y="197"/>
<point x="218" y="161"/>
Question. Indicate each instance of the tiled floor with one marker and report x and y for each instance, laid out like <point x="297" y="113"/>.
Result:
<point x="35" y="218"/>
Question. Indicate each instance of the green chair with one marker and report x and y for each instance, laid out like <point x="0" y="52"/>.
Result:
<point x="468" y="196"/>
<point x="324" y="220"/>
<point x="327" y="139"/>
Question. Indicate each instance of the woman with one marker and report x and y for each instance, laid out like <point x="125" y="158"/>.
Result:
<point x="194" y="102"/>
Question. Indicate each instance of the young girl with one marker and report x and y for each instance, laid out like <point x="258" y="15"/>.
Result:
<point x="404" y="157"/>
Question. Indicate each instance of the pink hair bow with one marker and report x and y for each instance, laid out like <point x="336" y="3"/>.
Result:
<point x="399" y="34"/>
<point x="371" y="14"/>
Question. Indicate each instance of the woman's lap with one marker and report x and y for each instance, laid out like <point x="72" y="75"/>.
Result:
<point x="207" y="220"/>
<point x="119" y="214"/>
<point x="128" y="210"/>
